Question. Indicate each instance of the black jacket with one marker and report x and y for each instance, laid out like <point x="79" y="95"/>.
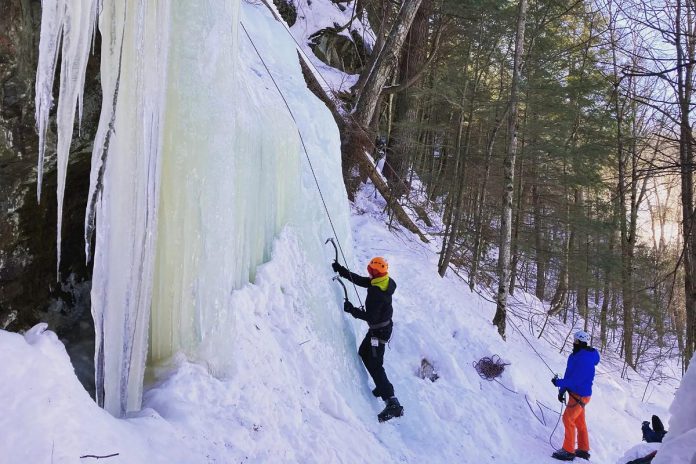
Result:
<point x="378" y="304"/>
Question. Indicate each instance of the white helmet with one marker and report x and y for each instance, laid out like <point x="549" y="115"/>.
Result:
<point x="582" y="336"/>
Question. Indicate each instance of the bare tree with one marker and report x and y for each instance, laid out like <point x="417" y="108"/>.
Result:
<point x="509" y="166"/>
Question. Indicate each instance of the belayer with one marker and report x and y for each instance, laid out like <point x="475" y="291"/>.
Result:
<point x="577" y="381"/>
<point x="378" y="315"/>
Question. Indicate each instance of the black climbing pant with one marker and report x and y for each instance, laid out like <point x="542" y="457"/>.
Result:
<point x="373" y="358"/>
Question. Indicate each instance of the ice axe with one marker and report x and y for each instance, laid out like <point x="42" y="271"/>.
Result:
<point x="345" y="290"/>
<point x="336" y="278"/>
<point x="330" y="239"/>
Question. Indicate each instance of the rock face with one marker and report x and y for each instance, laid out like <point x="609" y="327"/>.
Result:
<point x="347" y="54"/>
<point x="29" y="290"/>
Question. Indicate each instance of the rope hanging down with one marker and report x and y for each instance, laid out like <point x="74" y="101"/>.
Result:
<point x="304" y="147"/>
<point x="491" y="367"/>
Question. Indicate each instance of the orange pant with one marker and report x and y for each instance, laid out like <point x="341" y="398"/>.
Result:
<point x="574" y="418"/>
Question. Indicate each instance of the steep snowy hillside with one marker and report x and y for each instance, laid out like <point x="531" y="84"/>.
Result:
<point x="298" y="395"/>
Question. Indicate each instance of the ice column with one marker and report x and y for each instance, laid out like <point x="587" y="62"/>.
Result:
<point x="230" y="172"/>
<point x="125" y="166"/>
<point x="124" y="192"/>
<point x="196" y="168"/>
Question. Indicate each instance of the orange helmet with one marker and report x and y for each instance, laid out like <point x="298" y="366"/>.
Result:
<point x="378" y="267"/>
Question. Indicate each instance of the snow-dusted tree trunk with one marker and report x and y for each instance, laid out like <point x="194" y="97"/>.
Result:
<point x="384" y="64"/>
<point x="509" y="168"/>
<point x="686" y="50"/>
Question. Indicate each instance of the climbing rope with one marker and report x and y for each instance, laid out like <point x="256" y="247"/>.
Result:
<point x="531" y="346"/>
<point x="328" y="90"/>
<point x="560" y="414"/>
<point x="490" y="367"/>
<point x="311" y="167"/>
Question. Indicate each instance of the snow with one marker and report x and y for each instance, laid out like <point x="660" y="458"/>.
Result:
<point x="298" y="392"/>
<point x="639" y="451"/>
<point x="679" y="445"/>
<point x="313" y="16"/>
<point x="274" y="376"/>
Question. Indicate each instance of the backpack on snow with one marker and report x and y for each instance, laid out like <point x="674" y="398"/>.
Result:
<point x="654" y="434"/>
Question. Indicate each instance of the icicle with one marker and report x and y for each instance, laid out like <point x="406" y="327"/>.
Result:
<point x="71" y="21"/>
<point x="179" y="105"/>
<point x="51" y="30"/>
<point x="124" y="193"/>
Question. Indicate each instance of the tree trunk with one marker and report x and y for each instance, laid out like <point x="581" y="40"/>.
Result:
<point x="581" y="275"/>
<point x="685" y="65"/>
<point x="509" y="167"/>
<point x="481" y="200"/>
<point x="401" y="138"/>
<point x="626" y="239"/>
<point x="456" y="199"/>
<point x="521" y="193"/>
<point x="558" y="301"/>
<point x="540" y="286"/>
<point x="384" y="63"/>
<point x="606" y="293"/>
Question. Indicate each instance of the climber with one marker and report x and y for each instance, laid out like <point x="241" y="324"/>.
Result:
<point x="577" y="381"/>
<point x="378" y="315"/>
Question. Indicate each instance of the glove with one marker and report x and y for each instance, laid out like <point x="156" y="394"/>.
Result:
<point x="561" y="395"/>
<point x="348" y="307"/>
<point x="336" y="267"/>
<point x="554" y="381"/>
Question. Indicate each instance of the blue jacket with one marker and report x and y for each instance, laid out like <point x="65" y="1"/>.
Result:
<point x="580" y="372"/>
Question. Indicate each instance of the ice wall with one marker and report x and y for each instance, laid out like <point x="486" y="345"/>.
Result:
<point x="229" y="177"/>
<point x="196" y="169"/>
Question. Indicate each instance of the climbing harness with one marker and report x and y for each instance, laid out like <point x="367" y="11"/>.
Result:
<point x="380" y="325"/>
<point x="337" y="243"/>
<point x="578" y="401"/>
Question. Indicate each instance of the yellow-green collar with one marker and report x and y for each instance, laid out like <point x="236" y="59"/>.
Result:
<point x="381" y="282"/>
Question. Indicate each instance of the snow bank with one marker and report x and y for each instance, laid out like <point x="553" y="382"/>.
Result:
<point x="679" y="446"/>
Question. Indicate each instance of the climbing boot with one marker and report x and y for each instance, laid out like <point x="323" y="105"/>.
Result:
<point x="393" y="409"/>
<point x="563" y="455"/>
<point x="582" y="454"/>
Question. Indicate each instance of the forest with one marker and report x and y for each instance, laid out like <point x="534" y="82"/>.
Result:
<point x="548" y="143"/>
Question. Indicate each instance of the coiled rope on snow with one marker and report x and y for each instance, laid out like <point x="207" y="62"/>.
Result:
<point x="490" y="367"/>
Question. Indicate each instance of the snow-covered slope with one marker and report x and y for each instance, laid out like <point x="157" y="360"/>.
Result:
<point x="300" y="395"/>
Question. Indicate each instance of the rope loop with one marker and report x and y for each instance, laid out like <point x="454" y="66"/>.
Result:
<point x="490" y="367"/>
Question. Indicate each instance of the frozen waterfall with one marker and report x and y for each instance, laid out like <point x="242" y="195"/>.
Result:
<point x="196" y="170"/>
